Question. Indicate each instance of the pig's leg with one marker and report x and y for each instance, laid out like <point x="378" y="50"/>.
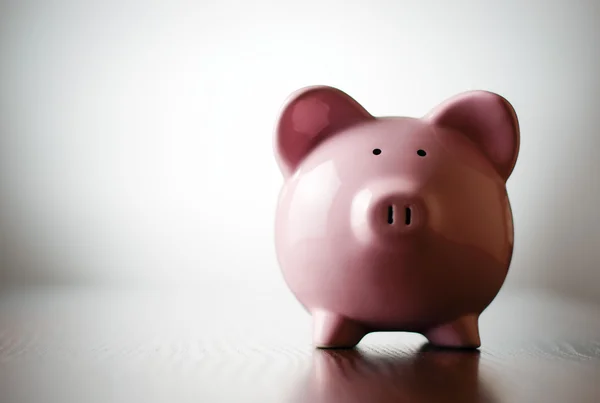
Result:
<point x="462" y="333"/>
<point x="335" y="331"/>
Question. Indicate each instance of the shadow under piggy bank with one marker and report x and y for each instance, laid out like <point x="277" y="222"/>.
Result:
<point x="427" y="375"/>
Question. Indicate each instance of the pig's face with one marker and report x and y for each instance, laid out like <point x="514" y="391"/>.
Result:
<point x="395" y="210"/>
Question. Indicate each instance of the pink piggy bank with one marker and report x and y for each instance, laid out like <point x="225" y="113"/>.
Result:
<point x="395" y="223"/>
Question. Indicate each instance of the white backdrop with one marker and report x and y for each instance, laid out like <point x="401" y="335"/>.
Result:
<point x="136" y="137"/>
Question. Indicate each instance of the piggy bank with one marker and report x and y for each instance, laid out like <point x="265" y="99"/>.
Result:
<point x="394" y="223"/>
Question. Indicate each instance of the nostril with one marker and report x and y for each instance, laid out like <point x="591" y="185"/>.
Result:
<point x="407" y="216"/>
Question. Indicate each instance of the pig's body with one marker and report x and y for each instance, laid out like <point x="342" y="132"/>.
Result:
<point x="390" y="223"/>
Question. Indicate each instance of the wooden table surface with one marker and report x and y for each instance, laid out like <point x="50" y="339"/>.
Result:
<point x="77" y="345"/>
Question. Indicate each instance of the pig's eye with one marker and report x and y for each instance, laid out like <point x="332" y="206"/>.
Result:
<point x="421" y="153"/>
<point x="377" y="151"/>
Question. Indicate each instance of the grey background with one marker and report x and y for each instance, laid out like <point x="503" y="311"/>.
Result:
<point x="135" y="137"/>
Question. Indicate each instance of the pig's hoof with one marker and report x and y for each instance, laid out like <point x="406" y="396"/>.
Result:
<point x="335" y="331"/>
<point x="462" y="333"/>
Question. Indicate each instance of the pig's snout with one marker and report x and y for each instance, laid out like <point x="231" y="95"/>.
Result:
<point x="396" y="213"/>
<point x="388" y="209"/>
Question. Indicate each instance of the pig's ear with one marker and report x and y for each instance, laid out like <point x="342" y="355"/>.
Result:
<point x="309" y="116"/>
<point x="488" y="120"/>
